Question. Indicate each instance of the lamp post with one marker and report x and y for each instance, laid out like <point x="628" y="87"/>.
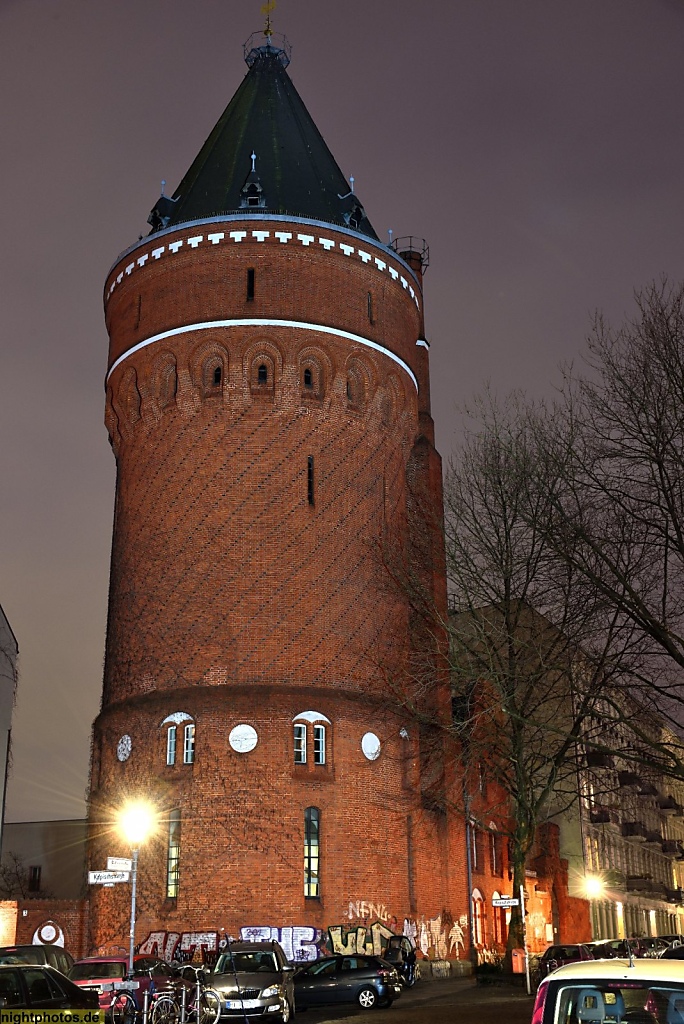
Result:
<point x="137" y="823"/>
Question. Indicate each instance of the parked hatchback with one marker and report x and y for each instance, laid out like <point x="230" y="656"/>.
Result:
<point x="254" y="981"/>
<point x="367" y="980"/>
<point x="39" y="986"/>
<point x="612" y="992"/>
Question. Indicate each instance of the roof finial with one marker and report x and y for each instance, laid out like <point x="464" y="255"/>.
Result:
<point x="351" y="183"/>
<point x="390" y="233"/>
<point x="266" y="9"/>
<point x="163" y="185"/>
<point x="253" y="162"/>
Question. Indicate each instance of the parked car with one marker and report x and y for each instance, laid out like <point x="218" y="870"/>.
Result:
<point x="400" y="953"/>
<point x="675" y="951"/>
<point x="38" y="954"/>
<point x="367" y="980"/>
<point x="559" y="955"/>
<point x="40" y="986"/>
<point x="254" y="981"/>
<point x="612" y="992"/>
<point x="96" y="972"/>
<point x="650" y="946"/>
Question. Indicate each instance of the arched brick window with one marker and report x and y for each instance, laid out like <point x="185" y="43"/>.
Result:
<point x="311" y="739"/>
<point x="179" y="738"/>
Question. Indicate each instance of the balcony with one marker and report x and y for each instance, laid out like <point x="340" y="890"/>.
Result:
<point x="605" y="818"/>
<point x="654" y="839"/>
<point x="668" y="805"/>
<point x="634" y="831"/>
<point x="629" y="780"/>
<point x="674" y="896"/>
<point x="673" y="848"/>
<point x="639" y="883"/>
<point x="647" y="789"/>
<point x="599" y="759"/>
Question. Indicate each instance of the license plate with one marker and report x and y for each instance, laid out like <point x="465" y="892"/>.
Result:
<point x="242" y="1004"/>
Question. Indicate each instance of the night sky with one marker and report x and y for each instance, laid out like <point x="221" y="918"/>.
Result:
<point x="538" y="147"/>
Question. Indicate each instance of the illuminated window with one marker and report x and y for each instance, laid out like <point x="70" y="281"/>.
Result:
<point x="171" y="745"/>
<point x="319" y="744"/>
<point x="173" y="856"/>
<point x="189" y="744"/>
<point x="312" y="834"/>
<point x="479" y="919"/>
<point x="300" y="743"/>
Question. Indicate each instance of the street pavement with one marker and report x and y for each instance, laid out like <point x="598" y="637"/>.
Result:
<point x="439" y="1002"/>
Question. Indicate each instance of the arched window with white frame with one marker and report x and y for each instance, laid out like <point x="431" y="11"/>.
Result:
<point x="311" y="733"/>
<point x="180" y="738"/>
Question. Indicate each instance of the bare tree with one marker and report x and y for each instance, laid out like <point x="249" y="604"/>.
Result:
<point x="617" y="441"/>
<point x="535" y="650"/>
<point x="15" y="880"/>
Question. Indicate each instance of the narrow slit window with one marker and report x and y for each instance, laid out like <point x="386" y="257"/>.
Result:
<point x="308" y="378"/>
<point x="319" y="744"/>
<point x="370" y="307"/>
<point x="312" y="835"/>
<point x="300" y="743"/>
<point x="189" y="744"/>
<point x="173" y="856"/>
<point x="217" y="376"/>
<point x="262" y="374"/>
<point x="171" y="745"/>
<point x="310" y="479"/>
<point x="35" y="871"/>
<point x="250" y="283"/>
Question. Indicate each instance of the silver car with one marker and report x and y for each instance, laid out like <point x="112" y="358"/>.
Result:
<point x="254" y="981"/>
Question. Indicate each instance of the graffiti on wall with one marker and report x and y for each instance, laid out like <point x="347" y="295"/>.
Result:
<point x="367" y="930"/>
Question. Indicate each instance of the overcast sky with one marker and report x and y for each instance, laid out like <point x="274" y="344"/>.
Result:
<point x="537" y="146"/>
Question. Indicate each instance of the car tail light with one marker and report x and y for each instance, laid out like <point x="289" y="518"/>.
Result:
<point x="540" y="999"/>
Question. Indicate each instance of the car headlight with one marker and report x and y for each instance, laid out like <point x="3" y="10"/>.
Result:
<point x="272" y="990"/>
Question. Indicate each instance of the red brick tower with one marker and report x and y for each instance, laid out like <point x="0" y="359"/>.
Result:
<point x="268" y="407"/>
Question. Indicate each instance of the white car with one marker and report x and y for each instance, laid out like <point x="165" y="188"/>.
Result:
<point x="612" y="992"/>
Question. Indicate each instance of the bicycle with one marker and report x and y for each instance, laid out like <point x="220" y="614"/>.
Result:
<point x="204" y="1006"/>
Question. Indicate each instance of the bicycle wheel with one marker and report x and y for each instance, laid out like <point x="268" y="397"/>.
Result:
<point x="164" y="1010"/>
<point x="210" y="1006"/>
<point x="124" y="1010"/>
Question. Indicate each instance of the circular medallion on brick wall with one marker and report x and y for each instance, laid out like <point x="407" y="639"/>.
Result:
<point x="370" y="745"/>
<point x="243" y="738"/>
<point x="123" y="748"/>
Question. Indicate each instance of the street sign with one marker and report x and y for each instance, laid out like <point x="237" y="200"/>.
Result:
<point x="505" y="901"/>
<point x="119" y="864"/>
<point x="105" y="877"/>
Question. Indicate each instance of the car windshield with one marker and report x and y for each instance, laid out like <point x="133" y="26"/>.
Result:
<point x="245" y="962"/>
<point x="104" y="969"/>
<point x="615" y="1002"/>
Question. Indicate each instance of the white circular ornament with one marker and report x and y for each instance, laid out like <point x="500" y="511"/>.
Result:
<point x="124" y="747"/>
<point x="370" y="745"/>
<point x="243" y="738"/>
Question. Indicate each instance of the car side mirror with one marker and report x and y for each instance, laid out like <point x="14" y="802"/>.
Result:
<point x="289" y="967"/>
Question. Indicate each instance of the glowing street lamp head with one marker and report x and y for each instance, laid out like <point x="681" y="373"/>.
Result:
<point x="137" y="822"/>
<point x="594" y="887"/>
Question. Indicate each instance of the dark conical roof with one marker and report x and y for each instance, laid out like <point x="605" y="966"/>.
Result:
<point x="292" y="172"/>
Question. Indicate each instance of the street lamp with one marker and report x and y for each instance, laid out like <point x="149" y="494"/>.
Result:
<point x="137" y="821"/>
